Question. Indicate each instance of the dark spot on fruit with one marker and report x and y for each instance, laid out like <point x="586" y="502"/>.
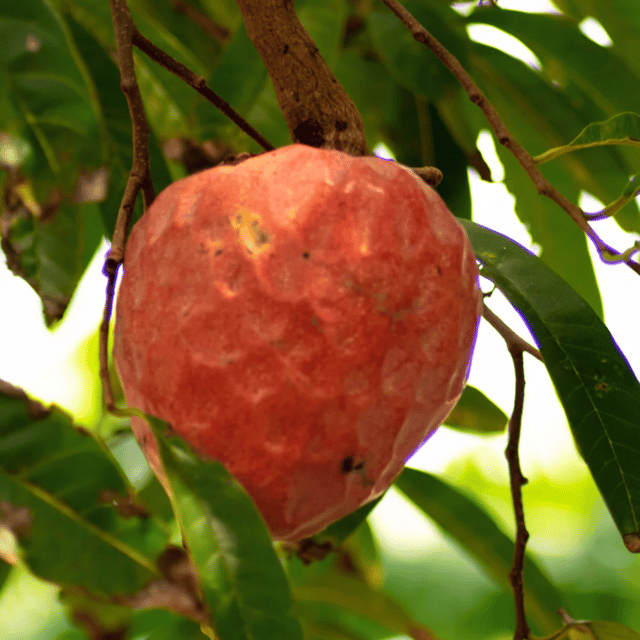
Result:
<point x="306" y="255"/>
<point x="349" y="464"/>
<point x="341" y="125"/>
<point x="346" y="465"/>
<point x="218" y="252"/>
<point x="439" y="270"/>
<point x="285" y="49"/>
<point x="309" y="132"/>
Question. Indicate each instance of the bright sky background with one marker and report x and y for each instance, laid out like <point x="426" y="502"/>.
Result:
<point x="45" y="363"/>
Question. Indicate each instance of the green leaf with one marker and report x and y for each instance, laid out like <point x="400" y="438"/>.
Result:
<point x="604" y="630"/>
<point x="623" y="128"/>
<point x="5" y="570"/>
<point x="240" y="59"/>
<point x="595" y="630"/>
<point x="598" y="390"/>
<point x="617" y="17"/>
<point x="177" y="630"/>
<point x="471" y="527"/>
<point x="538" y="115"/>
<point x="176" y="34"/>
<point x="628" y="194"/>
<point x="578" y="78"/>
<point x="154" y="497"/>
<point x="60" y="486"/>
<point x="225" y="12"/>
<point x="340" y="530"/>
<point x="410" y="62"/>
<point x="104" y="619"/>
<point x="364" y="555"/>
<point x="567" y="55"/>
<point x="50" y="108"/>
<point x="453" y="161"/>
<point x="326" y="631"/>
<point x="476" y="413"/>
<point x="402" y="122"/>
<point x="359" y="597"/>
<point x="242" y="579"/>
<point x="324" y="22"/>
<point x="564" y="245"/>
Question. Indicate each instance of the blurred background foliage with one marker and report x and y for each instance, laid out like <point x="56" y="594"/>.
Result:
<point x="65" y="151"/>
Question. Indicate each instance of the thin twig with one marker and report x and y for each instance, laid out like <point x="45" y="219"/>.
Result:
<point x="139" y="177"/>
<point x="517" y="346"/>
<point x="516" y="481"/>
<point x="513" y="340"/>
<point x="199" y="84"/>
<point x="505" y="138"/>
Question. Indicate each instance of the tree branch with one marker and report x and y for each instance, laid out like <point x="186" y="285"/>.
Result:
<point x="543" y="186"/>
<point x="198" y="83"/>
<point x="316" y="108"/>
<point x="139" y="177"/>
<point x="516" y="481"/>
<point x="513" y="340"/>
<point x="517" y="347"/>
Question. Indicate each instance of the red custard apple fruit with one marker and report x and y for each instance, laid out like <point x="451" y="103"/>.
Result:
<point x="305" y="317"/>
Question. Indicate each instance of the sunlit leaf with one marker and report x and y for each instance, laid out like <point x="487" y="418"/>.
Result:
<point x="597" y="389"/>
<point x="616" y="17"/>
<point x="566" y="54"/>
<point x="471" y="527"/>
<point x="596" y="630"/>
<point x="539" y="115"/>
<point x="474" y="412"/>
<point x="592" y="82"/>
<point x="604" y="630"/>
<point x="241" y="577"/>
<point x="623" y="128"/>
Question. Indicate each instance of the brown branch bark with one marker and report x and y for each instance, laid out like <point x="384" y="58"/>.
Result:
<point x="513" y="340"/>
<point x="504" y="137"/>
<point x="198" y="83"/>
<point x="516" y="481"/>
<point x="316" y="108"/>
<point x="517" y="346"/>
<point x="139" y="177"/>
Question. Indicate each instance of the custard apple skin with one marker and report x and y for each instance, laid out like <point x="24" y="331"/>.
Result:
<point x="305" y="317"/>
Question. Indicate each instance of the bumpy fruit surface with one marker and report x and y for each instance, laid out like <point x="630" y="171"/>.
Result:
<point x="305" y="317"/>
